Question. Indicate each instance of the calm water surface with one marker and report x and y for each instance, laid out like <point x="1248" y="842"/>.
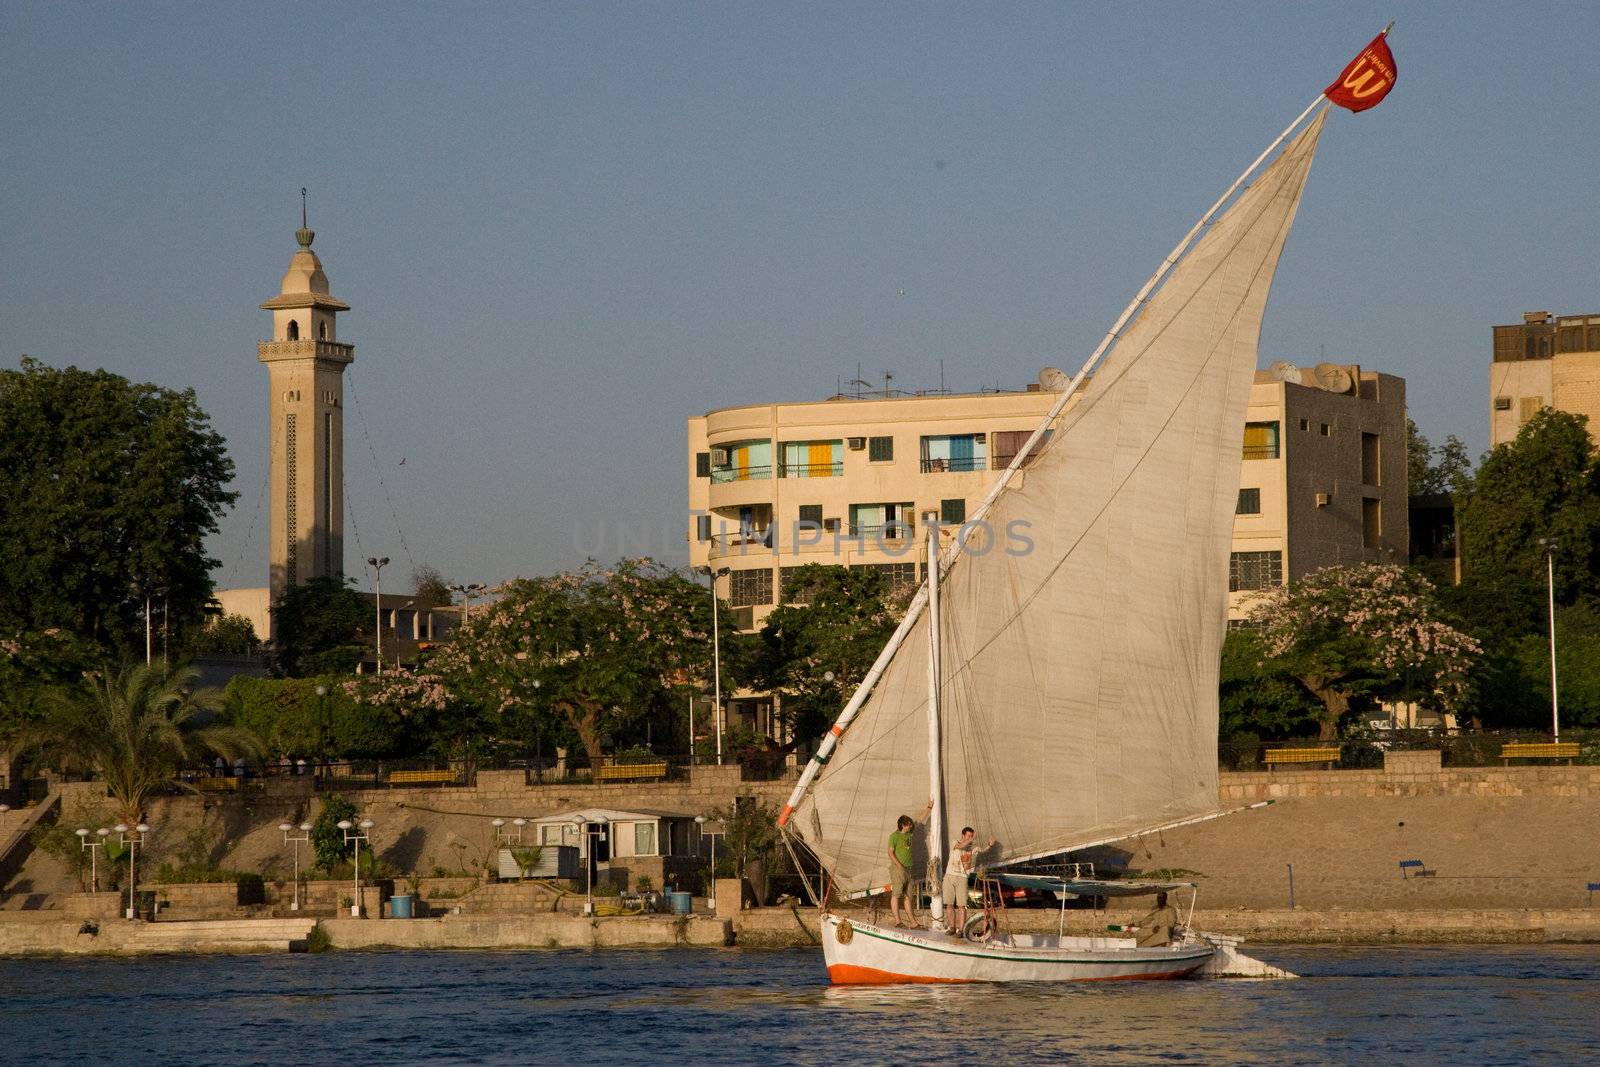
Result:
<point x="1478" y="1005"/>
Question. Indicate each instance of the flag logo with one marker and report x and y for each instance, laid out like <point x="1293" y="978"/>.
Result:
<point x="1368" y="78"/>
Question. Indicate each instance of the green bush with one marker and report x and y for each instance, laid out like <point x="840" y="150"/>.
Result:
<point x="327" y="840"/>
<point x="318" y="940"/>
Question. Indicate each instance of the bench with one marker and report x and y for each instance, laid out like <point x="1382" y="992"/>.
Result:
<point x="630" y="772"/>
<point x="1328" y="756"/>
<point x="1567" y="750"/>
<point x="217" y="785"/>
<point x="421" y="777"/>
<point x="1415" y="865"/>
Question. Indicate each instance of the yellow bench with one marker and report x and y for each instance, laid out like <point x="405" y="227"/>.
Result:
<point x="217" y="785"/>
<point x="1567" y="750"/>
<point x="626" y="772"/>
<point x="421" y="777"/>
<point x="1330" y="756"/>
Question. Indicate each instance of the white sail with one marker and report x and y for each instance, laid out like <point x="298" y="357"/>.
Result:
<point x="1079" y="699"/>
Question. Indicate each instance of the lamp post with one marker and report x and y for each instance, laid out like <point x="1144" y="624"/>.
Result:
<point x="357" y="833"/>
<point x="1550" y="545"/>
<point x="132" y="837"/>
<point x="295" y="839"/>
<point x="377" y="563"/>
<point x="700" y="821"/>
<point x="85" y="842"/>
<point x="716" y="656"/>
<point x="468" y="590"/>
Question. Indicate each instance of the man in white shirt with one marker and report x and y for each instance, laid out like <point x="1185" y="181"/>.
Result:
<point x="963" y="860"/>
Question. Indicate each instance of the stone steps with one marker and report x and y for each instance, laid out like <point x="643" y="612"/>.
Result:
<point x="223" y="935"/>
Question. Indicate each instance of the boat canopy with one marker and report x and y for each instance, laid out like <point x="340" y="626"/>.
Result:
<point x="1087" y="887"/>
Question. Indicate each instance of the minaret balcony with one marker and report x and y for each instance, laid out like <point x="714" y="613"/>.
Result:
<point x="336" y="351"/>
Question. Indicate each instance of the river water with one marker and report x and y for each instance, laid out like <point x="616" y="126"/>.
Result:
<point x="1477" y="1005"/>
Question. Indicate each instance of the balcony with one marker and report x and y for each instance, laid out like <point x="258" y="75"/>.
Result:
<point x="742" y="543"/>
<point x="1261" y="451"/>
<point x="812" y="470"/>
<point x="722" y="475"/>
<point x="889" y="531"/>
<point x="954" y="463"/>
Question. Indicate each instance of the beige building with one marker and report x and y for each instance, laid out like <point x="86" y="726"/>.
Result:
<point x="1545" y="361"/>
<point x="848" y="479"/>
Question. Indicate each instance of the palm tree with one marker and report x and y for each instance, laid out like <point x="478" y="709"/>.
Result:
<point x="133" y="728"/>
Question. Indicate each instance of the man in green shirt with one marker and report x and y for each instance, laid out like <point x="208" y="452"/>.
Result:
<point x="900" y="867"/>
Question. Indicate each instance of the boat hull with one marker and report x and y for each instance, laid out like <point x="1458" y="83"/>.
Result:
<point x="864" y="954"/>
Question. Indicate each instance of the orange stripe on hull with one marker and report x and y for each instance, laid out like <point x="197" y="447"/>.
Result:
<point x="851" y="974"/>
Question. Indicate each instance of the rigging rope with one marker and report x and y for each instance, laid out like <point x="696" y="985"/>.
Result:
<point x="250" y="531"/>
<point x="383" y="487"/>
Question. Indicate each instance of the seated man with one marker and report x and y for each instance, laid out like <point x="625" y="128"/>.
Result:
<point x="1156" y="928"/>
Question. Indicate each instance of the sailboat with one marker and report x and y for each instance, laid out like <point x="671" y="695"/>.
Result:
<point x="1066" y="696"/>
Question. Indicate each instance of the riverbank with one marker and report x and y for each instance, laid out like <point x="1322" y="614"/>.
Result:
<point x="767" y="928"/>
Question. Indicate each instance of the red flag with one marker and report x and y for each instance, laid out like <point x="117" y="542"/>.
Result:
<point x="1367" y="79"/>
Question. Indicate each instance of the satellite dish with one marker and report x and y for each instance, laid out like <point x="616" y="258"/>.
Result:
<point x="1053" y="380"/>
<point x="1285" y="371"/>
<point x="1333" y="378"/>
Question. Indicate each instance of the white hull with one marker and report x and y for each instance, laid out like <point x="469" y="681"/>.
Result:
<point x="863" y="954"/>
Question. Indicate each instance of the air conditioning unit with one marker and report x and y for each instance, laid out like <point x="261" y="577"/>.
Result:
<point x="831" y="525"/>
<point x="719" y="457"/>
<point x="1324" y="499"/>
<point x="1502" y="403"/>
<point x="979" y="438"/>
<point x="857" y="443"/>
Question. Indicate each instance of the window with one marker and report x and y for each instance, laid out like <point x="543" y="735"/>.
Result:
<point x="899" y="578"/>
<point x="953" y="512"/>
<point x="1249" y="502"/>
<point x="811" y="513"/>
<point x="741" y="461"/>
<point x="884" y="521"/>
<point x="1007" y="443"/>
<point x="550" y="835"/>
<point x="702" y="464"/>
<point x="1371" y="523"/>
<point x="1305" y="425"/>
<point x="880" y="449"/>
<point x="644" y="839"/>
<point x="1261" y="440"/>
<point x="1528" y="407"/>
<point x="813" y="459"/>
<point x="702" y="527"/>
<point x="750" y="587"/>
<point x="1326" y="430"/>
<point x="1254" y="570"/>
<point x="294" y="330"/>
<point x="1370" y="473"/>
<point x="954" y="452"/>
<point x="322" y="331"/>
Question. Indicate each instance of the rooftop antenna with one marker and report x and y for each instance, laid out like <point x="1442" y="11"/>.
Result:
<point x="887" y="379"/>
<point x="941" y="376"/>
<point x="303" y="224"/>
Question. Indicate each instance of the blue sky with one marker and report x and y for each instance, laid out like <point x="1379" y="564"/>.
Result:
<point x="564" y="228"/>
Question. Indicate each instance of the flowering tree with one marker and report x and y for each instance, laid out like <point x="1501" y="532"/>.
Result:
<point x="593" y="649"/>
<point x="1365" y="629"/>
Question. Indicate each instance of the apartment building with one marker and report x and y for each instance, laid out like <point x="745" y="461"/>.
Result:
<point x="1545" y="361"/>
<point x="846" y="480"/>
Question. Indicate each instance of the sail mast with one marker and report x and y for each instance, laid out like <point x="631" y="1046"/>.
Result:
<point x="936" y="834"/>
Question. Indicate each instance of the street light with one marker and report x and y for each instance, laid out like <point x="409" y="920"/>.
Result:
<point x="1550" y="545"/>
<point x="295" y="839"/>
<point x="132" y="837"/>
<point x="362" y="833"/>
<point x="589" y="837"/>
<point x="94" y="867"/>
<point x="716" y="656"/>
<point x="700" y="821"/>
<point x="377" y="563"/>
<point x="322" y="728"/>
<point x="467" y="590"/>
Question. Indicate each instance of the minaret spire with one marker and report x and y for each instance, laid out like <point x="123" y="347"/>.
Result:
<point x="304" y="234"/>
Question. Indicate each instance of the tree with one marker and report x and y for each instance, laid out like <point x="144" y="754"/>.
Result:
<point x="594" y="650"/>
<point x="290" y="718"/>
<point x="111" y="491"/>
<point x="431" y="588"/>
<point x="1257" y="698"/>
<point x="1434" y="471"/>
<point x="133" y="729"/>
<point x="818" y="645"/>
<point x="1543" y="484"/>
<point x="319" y="627"/>
<point x="230" y="635"/>
<point x="1365" y="630"/>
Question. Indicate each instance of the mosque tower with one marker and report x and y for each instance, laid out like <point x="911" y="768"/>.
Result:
<point x="305" y="363"/>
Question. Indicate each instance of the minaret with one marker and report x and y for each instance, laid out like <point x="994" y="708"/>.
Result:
<point x="305" y="362"/>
